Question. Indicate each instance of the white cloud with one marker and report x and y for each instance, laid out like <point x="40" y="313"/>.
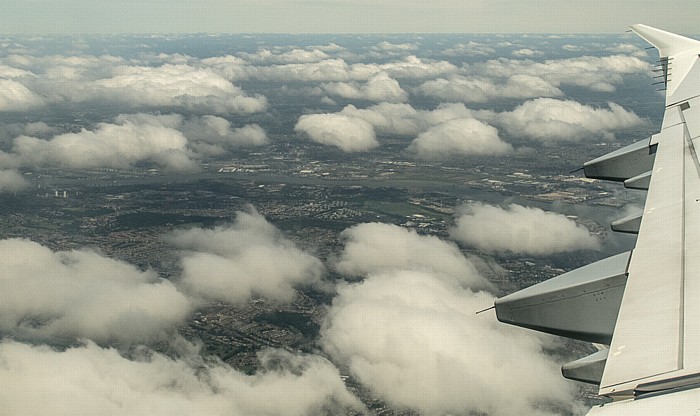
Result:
<point x="350" y="134"/>
<point x="459" y="137"/>
<point x="92" y="380"/>
<point x="375" y="247"/>
<point x="450" y="129"/>
<point x="590" y="72"/>
<point x="338" y="70"/>
<point x="48" y="294"/>
<point x="328" y="70"/>
<point x="469" y="49"/>
<point x="12" y="72"/>
<point x="523" y="78"/>
<point x="295" y="56"/>
<point x="378" y="88"/>
<point x="211" y="135"/>
<point x="414" y="340"/>
<point x="412" y="67"/>
<point x="132" y="140"/>
<point x="171" y="142"/>
<point x="526" y="52"/>
<point x="12" y="181"/>
<point x="459" y="88"/>
<point x="551" y="120"/>
<point x="16" y="97"/>
<point x="520" y="230"/>
<point x="385" y="46"/>
<point x="403" y="119"/>
<point x="388" y="118"/>
<point x="186" y="84"/>
<point x="197" y="89"/>
<point x="245" y="259"/>
<point x="628" y="48"/>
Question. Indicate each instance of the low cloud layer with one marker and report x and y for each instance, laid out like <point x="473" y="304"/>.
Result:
<point x="120" y="146"/>
<point x="170" y="142"/>
<point x="446" y="131"/>
<point x="550" y="121"/>
<point x="96" y="380"/>
<point x="12" y="181"/>
<point x="519" y="230"/>
<point x="380" y="88"/>
<point x="169" y="85"/>
<point x="459" y="137"/>
<point x="377" y="247"/>
<point x="600" y="74"/>
<point x="47" y="294"/>
<point x="16" y="97"/>
<point x="408" y="331"/>
<point x="413" y="340"/>
<point x="347" y="133"/>
<point x="249" y="258"/>
<point x="527" y="79"/>
<point x="460" y="88"/>
<point x="176" y="85"/>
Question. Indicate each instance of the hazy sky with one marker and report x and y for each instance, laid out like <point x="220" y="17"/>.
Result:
<point x="36" y="17"/>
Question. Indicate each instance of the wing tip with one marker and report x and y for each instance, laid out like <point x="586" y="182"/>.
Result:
<point x="667" y="43"/>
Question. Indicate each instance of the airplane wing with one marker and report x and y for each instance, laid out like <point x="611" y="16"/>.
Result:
<point x="643" y="305"/>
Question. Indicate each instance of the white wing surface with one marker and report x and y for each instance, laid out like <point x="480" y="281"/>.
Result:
<point x="652" y="295"/>
<point x="657" y="334"/>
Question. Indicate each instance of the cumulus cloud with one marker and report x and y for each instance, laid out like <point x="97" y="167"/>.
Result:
<point x="412" y="67"/>
<point x="185" y="84"/>
<point x="526" y="52"/>
<point x="350" y="134"/>
<point x="213" y="136"/>
<point x="37" y="129"/>
<point x="338" y="70"/>
<point x="520" y="230"/>
<point x="551" y="120"/>
<point x="590" y="72"/>
<point x="198" y="89"/>
<point x="450" y="129"/>
<point x="385" y="46"/>
<point x="327" y="70"/>
<point x="380" y="87"/>
<point x="47" y="294"/>
<point x="14" y="96"/>
<point x="414" y="341"/>
<point x="12" y="181"/>
<point x="627" y="48"/>
<point x="376" y="247"/>
<point x="12" y="72"/>
<point x="119" y="145"/>
<point x="469" y="49"/>
<point x="403" y="119"/>
<point x="523" y="78"/>
<point x="459" y="137"/>
<point x="295" y="56"/>
<point x="248" y="258"/>
<point x="460" y="88"/>
<point x="96" y="380"/>
<point x="171" y="142"/>
<point x="388" y="118"/>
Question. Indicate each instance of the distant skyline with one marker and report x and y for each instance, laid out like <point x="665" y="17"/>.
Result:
<point x="42" y="17"/>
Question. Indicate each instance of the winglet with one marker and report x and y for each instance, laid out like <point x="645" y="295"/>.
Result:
<point x="679" y="57"/>
<point x="667" y="43"/>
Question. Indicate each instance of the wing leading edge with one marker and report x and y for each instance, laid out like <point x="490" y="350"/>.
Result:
<point x="642" y="304"/>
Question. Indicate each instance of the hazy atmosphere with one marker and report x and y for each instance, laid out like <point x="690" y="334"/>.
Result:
<point x="204" y="212"/>
<point x="38" y="17"/>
